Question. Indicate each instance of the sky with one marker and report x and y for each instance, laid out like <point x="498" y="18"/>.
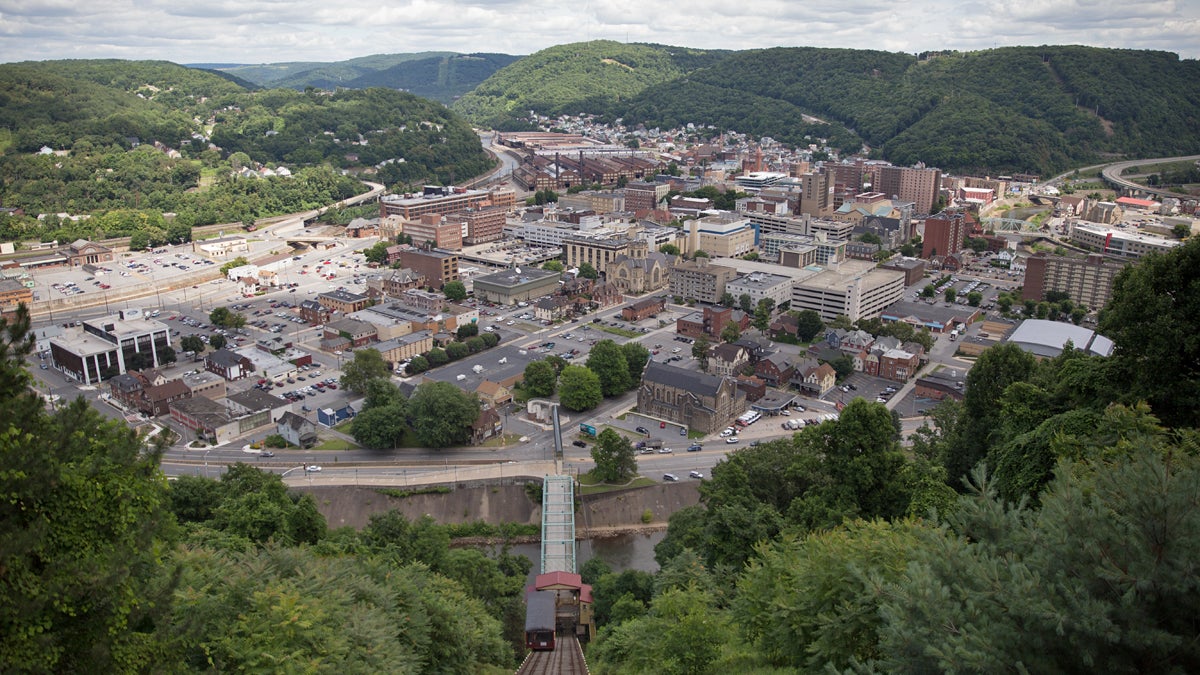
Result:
<point x="270" y="31"/>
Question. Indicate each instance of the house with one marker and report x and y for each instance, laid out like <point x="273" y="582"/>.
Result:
<point x="726" y="359"/>
<point x="296" y="430"/>
<point x="753" y="387"/>
<point x="329" y="417"/>
<point x="228" y="364"/>
<point x="314" y="312"/>
<point x="126" y="390"/>
<point x="785" y="324"/>
<point x="774" y="369"/>
<point x="493" y="393"/>
<point x="552" y="308"/>
<point x="157" y="399"/>
<point x="358" y="333"/>
<point x="816" y="379"/>
<point x="486" y="425"/>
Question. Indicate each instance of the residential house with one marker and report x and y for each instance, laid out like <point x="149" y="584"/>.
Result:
<point x="813" y="378"/>
<point x="157" y="399"/>
<point x="486" y="425"/>
<point x="726" y="360"/>
<point x="552" y="308"/>
<point x="228" y="364"/>
<point x="296" y="430"/>
<point x="493" y="393"/>
<point x="329" y="417"/>
<point x="314" y="312"/>
<point x="774" y="369"/>
<point x="357" y="333"/>
<point x="753" y="387"/>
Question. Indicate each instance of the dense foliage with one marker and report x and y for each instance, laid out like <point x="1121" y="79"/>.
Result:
<point x="133" y="140"/>
<point x="1037" y="109"/>
<point x="575" y="78"/>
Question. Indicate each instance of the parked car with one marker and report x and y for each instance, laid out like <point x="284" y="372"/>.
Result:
<point x="642" y="430"/>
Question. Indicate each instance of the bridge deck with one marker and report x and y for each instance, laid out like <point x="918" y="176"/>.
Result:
<point x="558" y="524"/>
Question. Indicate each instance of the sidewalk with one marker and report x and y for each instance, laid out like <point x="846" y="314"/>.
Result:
<point x="416" y="477"/>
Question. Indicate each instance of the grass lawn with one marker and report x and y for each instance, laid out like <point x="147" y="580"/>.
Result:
<point x="499" y="441"/>
<point x="618" y="331"/>
<point x="589" y="485"/>
<point x="346" y="427"/>
<point x="336" y="444"/>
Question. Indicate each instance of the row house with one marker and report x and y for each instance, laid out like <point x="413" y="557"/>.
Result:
<point x="727" y="360"/>
<point x="643" y="309"/>
<point x="711" y="321"/>
<point x="553" y="308"/>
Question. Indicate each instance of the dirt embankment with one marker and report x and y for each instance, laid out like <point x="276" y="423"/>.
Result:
<point x="609" y="512"/>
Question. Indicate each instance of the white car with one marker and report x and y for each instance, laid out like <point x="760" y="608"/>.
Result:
<point x="695" y="474"/>
<point x="728" y="431"/>
<point x="731" y="440"/>
<point x="312" y="468"/>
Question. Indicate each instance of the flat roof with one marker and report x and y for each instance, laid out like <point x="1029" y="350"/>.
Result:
<point x="1047" y="338"/>
<point x="511" y="278"/>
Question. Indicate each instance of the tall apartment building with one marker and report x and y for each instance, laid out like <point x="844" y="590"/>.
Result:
<point x="443" y="200"/>
<point x="642" y="196"/>
<point x="483" y="225"/>
<point x="817" y="197"/>
<point x="917" y="185"/>
<point x="1086" y="282"/>
<point x="944" y="234"/>
<point x="437" y="267"/>
<point x="701" y="280"/>
<point x="597" y="251"/>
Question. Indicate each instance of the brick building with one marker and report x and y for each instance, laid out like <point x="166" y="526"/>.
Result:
<point x="438" y="268"/>
<point x="701" y="402"/>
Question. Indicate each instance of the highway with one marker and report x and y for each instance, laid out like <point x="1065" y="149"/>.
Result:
<point x="1112" y="174"/>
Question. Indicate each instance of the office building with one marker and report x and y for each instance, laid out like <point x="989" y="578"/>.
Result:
<point x="442" y="200"/>
<point x="854" y="289"/>
<point x="434" y="230"/>
<point x="596" y="250"/>
<point x="777" y="287"/>
<point x="1118" y="243"/>
<point x="110" y="345"/>
<point x="641" y="196"/>
<point x="722" y="235"/>
<point x="816" y="198"/>
<point x="438" y="267"/>
<point x="482" y="225"/>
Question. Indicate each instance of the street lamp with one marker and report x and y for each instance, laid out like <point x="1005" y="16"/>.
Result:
<point x="206" y="462"/>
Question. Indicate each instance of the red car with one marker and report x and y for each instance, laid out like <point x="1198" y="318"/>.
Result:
<point x="331" y="386"/>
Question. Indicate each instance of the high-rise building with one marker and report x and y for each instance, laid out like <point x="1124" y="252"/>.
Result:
<point x="917" y="185"/>
<point x="816" y="198"/>
<point x="437" y="267"/>
<point x="944" y="234"/>
<point x="483" y="225"/>
<point x="436" y="231"/>
<point x="701" y="280"/>
<point x="1086" y="282"/>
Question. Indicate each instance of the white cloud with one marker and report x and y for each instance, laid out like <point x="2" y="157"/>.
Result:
<point x="257" y="31"/>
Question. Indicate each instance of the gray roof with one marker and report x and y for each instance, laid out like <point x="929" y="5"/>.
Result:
<point x="291" y="419"/>
<point x="1047" y="338"/>
<point x="256" y="399"/>
<point x="225" y="358"/>
<point x="511" y="278"/>
<point x="681" y="378"/>
<point x="936" y="315"/>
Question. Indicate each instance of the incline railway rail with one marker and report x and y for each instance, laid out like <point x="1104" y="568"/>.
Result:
<point x="566" y="659"/>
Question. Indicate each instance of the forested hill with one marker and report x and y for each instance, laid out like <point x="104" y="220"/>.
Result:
<point x="441" y="76"/>
<point x="598" y="76"/>
<point x="1037" y="109"/>
<point x="159" y="137"/>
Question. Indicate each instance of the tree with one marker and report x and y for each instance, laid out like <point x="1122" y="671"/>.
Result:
<point x="377" y="254"/>
<point x="239" y="261"/>
<point x="467" y="330"/>
<point x="701" y="254"/>
<point x="587" y="271"/>
<point x="368" y="364"/>
<point x="85" y="524"/>
<point x="871" y="238"/>
<point x="1152" y="318"/>
<point x="636" y="356"/>
<point x="476" y="344"/>
<point x="746" y="303"/>
<point x="808" y="325"/>
<point x="762" y="315"/>
<point x="192" y="343"/>
<point x="437" y="357"/>
<point x="974" y="298"/>
<point x="1004" y="301"/>
<point x="225" y="318"/>
<point x="442" y="414"/>
<point x="951" y="294"/>
<point x="579" y="388"/>
<point x="996" y="369"/>
<point x="383" y="393"/>
<point x="490" y="340"/>
<point x="540" y="379"/>
<point x="727" y="299"/>
<point x="700" y="349"/>
<point x="614" y="457"/>
<point x="929" y="291"/>
<point x="1182" y="231"/>
<point x="610" y="365"/>
<point x="455" y="291"/>
<point x="843" y="366"/>
<point x="553" y="266"/>
<point x="216" y="341"/>
<point x="731" y="333"/>
<point x="379" y="427"/>
<point x="418" y="364"/>
<point x="457" y="350"/>
<point x="669" y="249"/>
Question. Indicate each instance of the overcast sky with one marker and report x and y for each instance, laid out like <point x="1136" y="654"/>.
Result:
<point x="266" y="31"/>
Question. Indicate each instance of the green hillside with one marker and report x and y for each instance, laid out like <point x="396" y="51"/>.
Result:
<point x="581" y="77"/>
<point x="441" y="76"/>
<point x="133" y="139"/>
<point x="1037" y="109"/>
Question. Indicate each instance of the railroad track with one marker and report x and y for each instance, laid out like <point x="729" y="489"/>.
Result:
<point x="566" y="659"/>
